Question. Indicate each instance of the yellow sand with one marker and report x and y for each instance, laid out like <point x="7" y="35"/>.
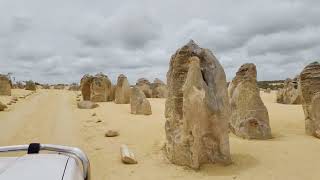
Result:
<point x="51" y="116"/>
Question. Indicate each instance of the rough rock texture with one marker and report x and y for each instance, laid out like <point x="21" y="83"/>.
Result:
<point x="139" y="103"/>
<point x="145" y="86"/>
<point x="249" y="116"/>
<point x="310" y="92"/>
<point x="290" y="93"/>
<point x="197" y="109"/>
<point x="5" y="86"/>
<point x="85" y="85"/>
<point x="159" y="89"/>
<point x="2" y="106"/>
<point x="96" y="88"/>
<point x="122" y="90"/>
<point x="100" y="88"/>
<point x="30" y="85"/>
<point x="112" y="93"/>
<point x="87" y="105"/>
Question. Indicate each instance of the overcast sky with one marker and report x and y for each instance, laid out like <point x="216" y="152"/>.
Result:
<point x="58" y="41"/>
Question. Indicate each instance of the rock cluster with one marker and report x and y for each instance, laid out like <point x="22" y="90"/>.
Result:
<point x="249" y="116"/>
<point x="290" y="93"/>
<point x="122" y="90"/>
<point x="96" y="88"/>
<point x="5" y="85"/>
<point x="197" y="109"/>
<point x="30" y="85"/>
<point x="145" y="86"/>
<point x="310" y="92"/>
<point x="139" y="103"/>
<point x="159" y="89"/>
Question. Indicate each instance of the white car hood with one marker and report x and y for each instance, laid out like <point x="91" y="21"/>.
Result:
<point x="34" y="167"/>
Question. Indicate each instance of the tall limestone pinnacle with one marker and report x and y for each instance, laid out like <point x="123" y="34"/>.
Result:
<point x="310" y="92"/>
<point x="249" y="116"/>
<point x="197" y="109"/>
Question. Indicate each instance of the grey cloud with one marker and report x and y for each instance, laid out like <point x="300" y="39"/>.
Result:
<point x="129" y="28"/>
<point x="57" y="41"/>
<point x="284" y="42"/>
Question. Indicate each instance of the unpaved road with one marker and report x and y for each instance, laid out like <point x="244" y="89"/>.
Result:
<point x="45" y="117"/>
<point x="51" y="116"/>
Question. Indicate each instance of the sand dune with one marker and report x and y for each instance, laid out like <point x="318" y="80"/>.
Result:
<point x="51" y="116"/>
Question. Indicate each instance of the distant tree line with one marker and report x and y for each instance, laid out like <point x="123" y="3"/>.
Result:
<point x="274" y="85"/>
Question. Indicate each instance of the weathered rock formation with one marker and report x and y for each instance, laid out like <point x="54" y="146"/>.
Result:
<point x="5" y="85"/>
<point x="85" y="85"/>
<point x="159" y="89"/>
<point x="96" y="88"/>
<point x="144" y="85"/>
<point x="100" y="88"/>
<point x="197" y="109"/>
<point x="122" y="90"/>
<point x="139" y="103"/>
<point x="310" y="92"/>
<point x="290" y="93"/>
<point x="112" y="93"/>
<point x="30" y="85"/>
<point x="249" y="116"/>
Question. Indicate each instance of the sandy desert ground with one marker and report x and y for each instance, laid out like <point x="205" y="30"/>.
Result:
<point x="51" y="116"/>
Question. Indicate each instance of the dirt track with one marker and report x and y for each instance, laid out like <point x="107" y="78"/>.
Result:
<point x="48" y="118"/>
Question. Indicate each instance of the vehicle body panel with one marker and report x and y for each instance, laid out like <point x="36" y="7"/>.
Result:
<point x="40" y="167"/>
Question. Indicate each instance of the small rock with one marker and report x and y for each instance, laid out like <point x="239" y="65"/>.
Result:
<point x="99" y="121"/>
<point x="87" y="105"/>
<point x="127" y="155"/>
<point x="94" y="114"/>
<point x="9" y="103"/>
<point x="111" y="133"/>
<point x="14" y="99"/>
